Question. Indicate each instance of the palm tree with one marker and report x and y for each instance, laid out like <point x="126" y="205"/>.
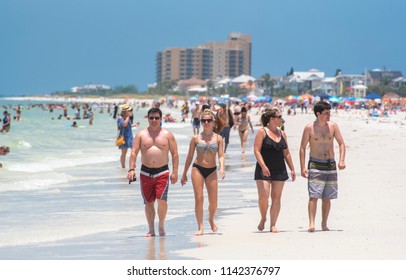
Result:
<point x="210" y="87"/>
<point x="250" y="83"/>
<point x="269" y="83"/>
<point x="267" y="79"/>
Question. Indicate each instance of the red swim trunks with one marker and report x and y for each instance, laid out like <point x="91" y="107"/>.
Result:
<point x="154" y="183"/>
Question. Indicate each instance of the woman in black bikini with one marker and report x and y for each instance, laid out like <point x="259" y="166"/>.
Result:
<point x="271" y="151"/>
<point x="208" y="145"/>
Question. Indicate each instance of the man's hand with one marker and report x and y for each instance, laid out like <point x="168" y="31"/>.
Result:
<point x="174" y="178"/>
<point x="305" y="173"/>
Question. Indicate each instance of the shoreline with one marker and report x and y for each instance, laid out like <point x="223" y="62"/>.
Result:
<point x="100" y="99"/>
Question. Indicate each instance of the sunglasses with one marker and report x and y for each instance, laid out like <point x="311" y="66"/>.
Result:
<point x="277" y="117"/>
<point x="154" y="118"/>
<point x="206" y="120"/>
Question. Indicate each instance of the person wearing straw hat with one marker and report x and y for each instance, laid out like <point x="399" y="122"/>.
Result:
<point x="124" y="125"/>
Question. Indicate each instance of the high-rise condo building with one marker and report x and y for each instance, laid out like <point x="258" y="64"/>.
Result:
<point x="231" y="58"/>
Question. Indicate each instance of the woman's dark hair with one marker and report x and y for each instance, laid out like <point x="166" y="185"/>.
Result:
<point x="205" y="106"/>
<point x="266" y="116"/>
<point x="243" y="110"/>
<point x="155" y="110"/>
<point x="321" y="106"/>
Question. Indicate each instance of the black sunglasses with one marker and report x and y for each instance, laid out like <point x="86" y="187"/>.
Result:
<point x="277" y="117"/>
<point x="206" y="120"/>
<point x="154" y="118"/>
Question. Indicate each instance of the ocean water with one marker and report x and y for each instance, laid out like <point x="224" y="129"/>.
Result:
<point x="63" y="194"/>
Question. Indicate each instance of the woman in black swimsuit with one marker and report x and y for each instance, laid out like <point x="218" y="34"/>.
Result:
<point x="271" y="151"/>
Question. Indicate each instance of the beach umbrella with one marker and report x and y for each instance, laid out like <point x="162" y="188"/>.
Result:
<point x="306" y="96"/>
<point x="291" y="98"/>
<point x="391" y="96"/>
<point x="372" y="95"/>
<point x="334" y="99"/>
<point x="349" y="100"/>
<point x="252" y="97"/>
<point x="359" y="99"/>
<point x="323" y="95"/>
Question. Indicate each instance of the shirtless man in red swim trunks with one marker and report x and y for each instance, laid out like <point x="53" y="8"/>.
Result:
<point x="155" y="143"/>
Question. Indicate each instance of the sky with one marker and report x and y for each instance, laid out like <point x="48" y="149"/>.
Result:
<point x="54" y="45"/>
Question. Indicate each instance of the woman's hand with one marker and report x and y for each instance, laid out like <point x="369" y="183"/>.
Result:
<point x="222" y="174"/>
<point x="266" y="171"/>
<point x="293" y="174"/>
<point x="183" y="180"/>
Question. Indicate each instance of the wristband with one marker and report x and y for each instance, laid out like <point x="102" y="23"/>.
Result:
<point x="132" y="169"/>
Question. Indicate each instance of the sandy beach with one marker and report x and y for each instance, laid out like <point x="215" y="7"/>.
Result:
<point x="367" y="221"/>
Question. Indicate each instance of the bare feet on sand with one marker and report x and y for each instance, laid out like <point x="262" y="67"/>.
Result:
<point x="311" y="228"/>
<point x="261" y="225"/>
<point x="150" y="234"/>
<point x="199" y="232"/>
<point x="274" y="229"/>
<point x="214" y="227"/>
<point x="162" y="231"/>
<point x="324" y="227"/>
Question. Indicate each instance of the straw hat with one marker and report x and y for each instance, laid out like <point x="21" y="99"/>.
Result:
<point x="126" y="107"/>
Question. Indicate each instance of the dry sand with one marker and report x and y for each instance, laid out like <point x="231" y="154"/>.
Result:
<point x="367" y="221"/>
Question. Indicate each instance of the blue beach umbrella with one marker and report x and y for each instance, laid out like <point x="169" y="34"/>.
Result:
<point x="323" y="95"/>
<point x="334" y="99"/>
<point x="373" y="95"/>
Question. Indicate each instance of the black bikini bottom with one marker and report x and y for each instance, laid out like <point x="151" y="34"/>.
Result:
<point x="205" y="172"/>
